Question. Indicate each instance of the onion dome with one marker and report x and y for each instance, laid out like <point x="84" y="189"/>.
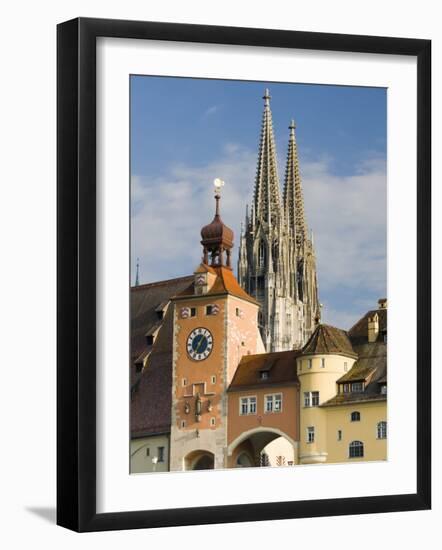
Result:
<point x="216" y="237"/>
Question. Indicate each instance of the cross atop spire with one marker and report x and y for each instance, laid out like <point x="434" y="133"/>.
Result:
<point x="293" y="195"/>
<point x="267" y="199"/>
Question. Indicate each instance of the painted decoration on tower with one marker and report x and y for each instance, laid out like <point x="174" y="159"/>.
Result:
<point x="258" y="302"/>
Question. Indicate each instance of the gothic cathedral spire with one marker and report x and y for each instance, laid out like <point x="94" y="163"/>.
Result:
<point x="267" y="207"/>
<point x="277" y="262"/>
<point x="293" y="195"/>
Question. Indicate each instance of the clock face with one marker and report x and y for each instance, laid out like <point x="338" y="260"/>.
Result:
<point x="199" y="344"/>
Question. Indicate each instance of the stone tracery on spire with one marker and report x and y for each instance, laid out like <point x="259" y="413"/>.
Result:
<point x="267" y="197"/>
<point x="293" y="195"/>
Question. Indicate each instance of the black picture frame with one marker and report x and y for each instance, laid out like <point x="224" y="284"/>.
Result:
<point x="76" y="273"/>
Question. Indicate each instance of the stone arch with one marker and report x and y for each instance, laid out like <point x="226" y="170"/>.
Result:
<point x="260" y="430"/>
<point x="199" y="460"/>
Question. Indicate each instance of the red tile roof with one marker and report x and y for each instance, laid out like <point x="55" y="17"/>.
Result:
<point x="281" y="368"/>
<point x="225" y="283"/>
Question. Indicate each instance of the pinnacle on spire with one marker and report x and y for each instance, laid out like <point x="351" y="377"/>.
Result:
<point x="293" y="195"/>
<point x="137" y="278"/>
<point x="267" y="199"/>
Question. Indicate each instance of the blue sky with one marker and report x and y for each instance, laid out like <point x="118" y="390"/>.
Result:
<point x="185" y="132"/>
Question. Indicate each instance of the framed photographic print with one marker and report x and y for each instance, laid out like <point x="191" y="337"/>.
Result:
<point x="238" y="211"/>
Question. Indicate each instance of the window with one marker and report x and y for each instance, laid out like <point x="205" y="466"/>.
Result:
<point x="183" y="423"/>
<point x="382" y="430"/>
<point x="384" y="389"/>
<point x="356" y="449"/>
<point x="339" y="438"/>
<point x="345" y="366"/>
<point x="193" y="311"/>
<point x="160" y="454"/>
<point x="212" y="421"/>
<point x="273" y="403"/>
<point x="357" y="387"/>
<point x="311" y="399"/>
<point x="264" y="374"/>
<point x="209" y="310"/>
<point x="309" y="363"/>
<point x="149" y="339"/>
<point x="345" y="388"/>
<point x="247" y="405"/>
<point x="262" y="254"/>
<point x="213" y="379"/>
<point x="184" y="382"/>
<point x="322" y="363"/>
<point x="311" y="434"/>
<point x="147" y="451"/>
<point x="238" y="312"/>
<point x="355" y="416"/>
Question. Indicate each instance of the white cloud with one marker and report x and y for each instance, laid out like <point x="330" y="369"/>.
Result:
<point x="348" y="215"/>
<point x="210" y="111"/>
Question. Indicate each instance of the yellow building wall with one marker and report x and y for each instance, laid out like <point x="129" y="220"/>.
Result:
<point x="322" y="380"/>
<point x="141" y="461"/>
<point x="365" y="430"/>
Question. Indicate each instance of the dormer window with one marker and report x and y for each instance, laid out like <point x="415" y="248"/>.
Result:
<point x="149" y="339"/>
<point x="357" y="387"/>
<point x="384" y="389"/>
<point x="264" y="375"/>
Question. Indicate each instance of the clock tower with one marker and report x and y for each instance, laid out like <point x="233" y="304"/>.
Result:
<point x="215" y="324"/>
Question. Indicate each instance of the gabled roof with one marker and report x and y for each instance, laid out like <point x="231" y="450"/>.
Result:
<point x="327" y="339"/>
<point x="144" y="302"/>
<point x="358" y="333"/>
<point x="151" y="389"/>
<point x="281" y="367"/>
<point x="150" y="410"/>
<point x="225" y="283"/>
<point x="371" y="365"/>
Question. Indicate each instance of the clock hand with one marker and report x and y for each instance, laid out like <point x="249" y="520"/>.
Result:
<point x="199" y="344"/>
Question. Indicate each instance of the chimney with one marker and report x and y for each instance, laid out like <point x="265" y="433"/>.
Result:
<point x="382" y="302"/>
<point x="373" y="328"/>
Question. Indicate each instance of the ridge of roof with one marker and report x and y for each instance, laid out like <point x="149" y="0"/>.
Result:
<point x="161" y="283"/>
<point x="225" y="283"/>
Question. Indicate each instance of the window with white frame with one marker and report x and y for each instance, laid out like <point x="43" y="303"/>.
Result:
<point x="273" y="403"/>
<point x="357" y="387"/>
<point x="356" y="449"/>
<point x="311" y="398"/>
<point x="381" y="430"/>
<point x="310" y="434"/>
<point x="247" y="405"/>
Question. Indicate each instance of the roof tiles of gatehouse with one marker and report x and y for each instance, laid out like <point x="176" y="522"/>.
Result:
<point x="280" y="367"/>
<point x="150" y="411"/>
<point x="329" y="340"/>
<point x="225" y="283"/>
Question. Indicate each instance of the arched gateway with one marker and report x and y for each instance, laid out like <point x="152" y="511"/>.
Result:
<point x="200" y="460"/>
<point x="262" y="446"/>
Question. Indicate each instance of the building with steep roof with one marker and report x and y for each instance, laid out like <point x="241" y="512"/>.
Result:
<point x="229" y="372"/>
<point x="205" y="394"/>
<point x="277" y="262"/>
